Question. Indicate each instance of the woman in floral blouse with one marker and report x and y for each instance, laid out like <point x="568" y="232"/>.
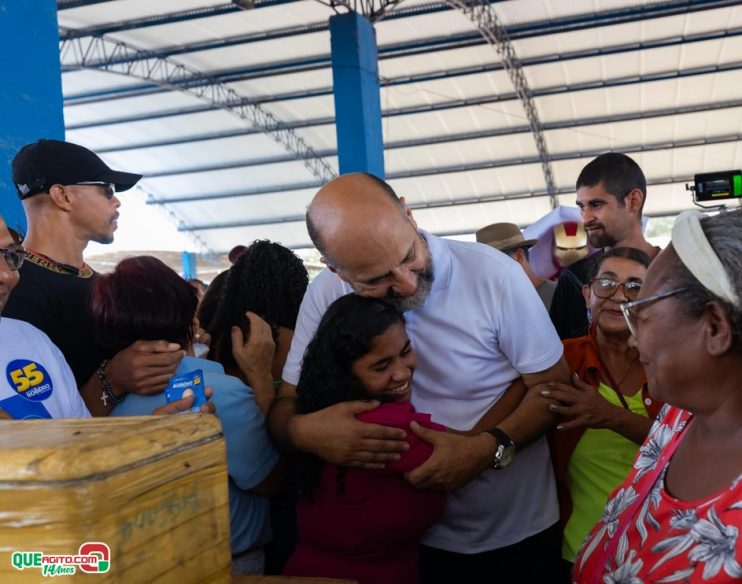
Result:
<point x="677" y="516"/>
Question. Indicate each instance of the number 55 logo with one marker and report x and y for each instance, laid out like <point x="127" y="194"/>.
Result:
<point x="29" y="379"/>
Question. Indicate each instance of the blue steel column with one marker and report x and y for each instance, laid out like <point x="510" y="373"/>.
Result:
<point x="31" y="89"/>
<point x="356" y="88"/>
<point x="189" y="265"/>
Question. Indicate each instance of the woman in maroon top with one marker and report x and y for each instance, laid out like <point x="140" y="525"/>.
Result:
<point x="356" y="523"/>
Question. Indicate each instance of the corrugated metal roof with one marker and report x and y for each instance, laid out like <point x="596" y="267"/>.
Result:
<point x="661" y="81"/>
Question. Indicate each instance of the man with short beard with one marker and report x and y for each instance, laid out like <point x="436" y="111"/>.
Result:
<point x="611" y="191"/>
<point x="69" y="196"/>
<point x="476" y="324"/>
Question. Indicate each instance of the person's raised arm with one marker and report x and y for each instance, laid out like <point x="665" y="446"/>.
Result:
<point x="255" y="358"/>
<point x="334" y="434"/>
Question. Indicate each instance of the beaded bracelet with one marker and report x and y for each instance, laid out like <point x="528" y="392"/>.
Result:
<point x="107" y="392"/>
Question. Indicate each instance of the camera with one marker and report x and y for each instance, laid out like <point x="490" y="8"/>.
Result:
<point x="715" y="186"/>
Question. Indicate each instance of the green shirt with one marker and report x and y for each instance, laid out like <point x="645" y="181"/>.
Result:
<point x="600" y="462"/>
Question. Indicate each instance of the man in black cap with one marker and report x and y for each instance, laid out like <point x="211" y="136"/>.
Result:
<point x="69" y="196"/>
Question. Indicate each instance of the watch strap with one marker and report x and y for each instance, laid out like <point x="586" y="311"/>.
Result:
<point x="505" y="449"/>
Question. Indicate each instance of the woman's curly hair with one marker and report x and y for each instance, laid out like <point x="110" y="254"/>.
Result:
<point x="267" y="279"/>
<point x="345" y="334"/>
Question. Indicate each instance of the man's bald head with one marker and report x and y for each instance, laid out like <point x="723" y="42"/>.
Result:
<point x="349" y="206"/>
<point x="368" y="237"/>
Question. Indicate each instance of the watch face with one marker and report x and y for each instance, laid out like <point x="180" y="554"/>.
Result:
<point x="503" y="456"/>
<point x="507" y="456"/>
<point x="505" y="449"/>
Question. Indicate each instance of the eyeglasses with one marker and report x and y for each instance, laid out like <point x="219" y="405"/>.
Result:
<point x="109" y="189"/>
<point x="628" y="309"/>
<point x="14" y="256"/>
<point x="607" y="287"/>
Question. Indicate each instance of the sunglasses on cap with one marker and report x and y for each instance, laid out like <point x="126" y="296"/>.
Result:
<point x="109" y="189"/>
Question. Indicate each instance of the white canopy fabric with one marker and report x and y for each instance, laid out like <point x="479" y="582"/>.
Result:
<point x="658" y="81"/>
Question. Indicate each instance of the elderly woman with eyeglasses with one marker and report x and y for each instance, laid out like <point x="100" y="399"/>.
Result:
<point x="607" y="414"/>
<point x="677" y="516"/>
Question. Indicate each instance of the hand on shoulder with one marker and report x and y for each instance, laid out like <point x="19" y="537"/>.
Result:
<point x="337" y="436"/>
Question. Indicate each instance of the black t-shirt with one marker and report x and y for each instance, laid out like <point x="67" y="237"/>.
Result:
<point x="56" y="301"/>
<point x="568" y="310"/>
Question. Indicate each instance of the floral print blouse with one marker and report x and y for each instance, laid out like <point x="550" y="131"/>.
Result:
<point x="667" y="540"/>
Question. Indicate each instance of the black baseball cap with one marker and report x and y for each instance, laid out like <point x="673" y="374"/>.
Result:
<point x="42" y="164"/>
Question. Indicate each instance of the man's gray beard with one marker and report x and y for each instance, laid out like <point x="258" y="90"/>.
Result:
<point x="424" y="286"/>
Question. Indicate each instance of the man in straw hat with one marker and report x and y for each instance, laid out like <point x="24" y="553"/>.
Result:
<point x="507" y="237"/>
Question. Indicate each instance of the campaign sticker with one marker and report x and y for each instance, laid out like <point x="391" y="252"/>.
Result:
<point x="29" y="379"/>
<point x="193" y="380"/>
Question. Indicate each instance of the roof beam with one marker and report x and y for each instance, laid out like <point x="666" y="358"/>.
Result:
<point x="303" y="65"/>
<point x="211" y="44"/>
<point x="483" y="16"/>
<point x="457" y="203"/>
<point x="452" y="104"/>
<point x="481" y="13"/>
<point x="483" y="165"/>
<point x="146" y="21"/>
<point x="440" y="139"/>
<point x="160" y="19"/>
<point x="178" y="77"/>
<point x="525" y="30"/>
<point x="67" y="4"/>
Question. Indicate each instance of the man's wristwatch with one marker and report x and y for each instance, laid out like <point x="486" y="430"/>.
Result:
<point x="505" y="449"/>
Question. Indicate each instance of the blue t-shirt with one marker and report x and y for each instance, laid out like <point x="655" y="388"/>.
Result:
<point x="250" y="454"/>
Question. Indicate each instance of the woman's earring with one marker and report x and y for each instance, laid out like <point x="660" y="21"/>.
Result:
<point x="589" y="315"/>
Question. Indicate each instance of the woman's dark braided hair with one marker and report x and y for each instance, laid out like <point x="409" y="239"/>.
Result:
<point x="345" y="334"/>
<point x="267" y="279"/>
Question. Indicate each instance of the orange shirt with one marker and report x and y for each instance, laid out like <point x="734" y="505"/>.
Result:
<point x="583" y="358"/>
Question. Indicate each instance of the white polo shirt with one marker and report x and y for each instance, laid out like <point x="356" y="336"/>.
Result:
<point x="482" y="326"/>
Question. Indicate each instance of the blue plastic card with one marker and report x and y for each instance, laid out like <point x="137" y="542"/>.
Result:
<point x="193" y="380"/>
